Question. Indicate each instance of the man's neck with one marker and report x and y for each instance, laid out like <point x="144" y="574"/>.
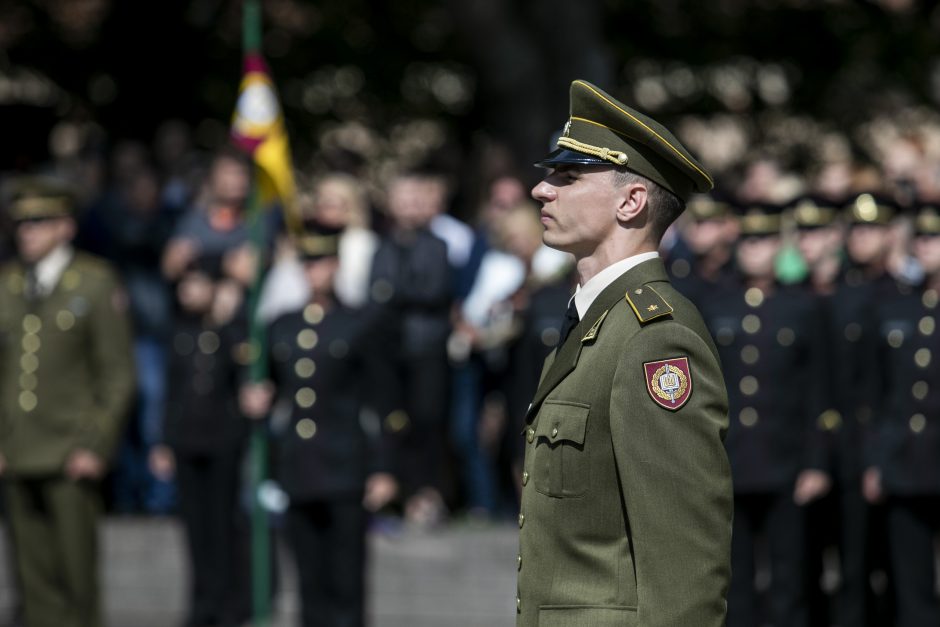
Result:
<point x="605" y="256"/>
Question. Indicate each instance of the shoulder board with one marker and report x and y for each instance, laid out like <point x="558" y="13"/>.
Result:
<point x="647" y="304"/>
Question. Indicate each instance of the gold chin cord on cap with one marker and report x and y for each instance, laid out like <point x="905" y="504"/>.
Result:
<point x="614" y="156"/>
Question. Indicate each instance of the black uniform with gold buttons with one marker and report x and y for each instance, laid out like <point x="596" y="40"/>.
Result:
<point x="772" y="351"/>
<point x="907" y="448"/>
<point x="330" y="366"/>
<point x="207" y="433"/>
<point x="850" y="341"/>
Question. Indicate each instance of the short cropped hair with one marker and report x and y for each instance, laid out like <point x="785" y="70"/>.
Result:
<point x="663" y="206"/>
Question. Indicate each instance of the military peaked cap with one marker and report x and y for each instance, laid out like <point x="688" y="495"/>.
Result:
<point x="871" y="209"/>
<point x="318" y="240"/>
<point x="760" y="219"/>
<point x="927" y="221"/>
<point x="38" y="198"/>
<point x="810" y="212"/>
<point x="604" y="131"/>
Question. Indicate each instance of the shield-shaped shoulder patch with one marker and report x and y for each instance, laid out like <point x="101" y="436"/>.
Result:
<point x="669" y="381"/>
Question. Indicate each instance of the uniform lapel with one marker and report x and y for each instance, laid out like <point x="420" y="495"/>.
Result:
<point x="566" y="357"/>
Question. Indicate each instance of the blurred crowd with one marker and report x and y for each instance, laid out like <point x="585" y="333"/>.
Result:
<point x="427" y="333"/>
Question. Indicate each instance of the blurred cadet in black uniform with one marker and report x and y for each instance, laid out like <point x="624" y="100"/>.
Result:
<point x="865" y="280"/>
<point x="835" y="520"/>
<point x="411" y="278"/>
<point x="204" y="436"/>
<point x="66" y="382"/>
<point x="701" y="260"/>
<point x="770" y="338"/>
<point x="905" y="457"/>
<point x="328" y="363"/>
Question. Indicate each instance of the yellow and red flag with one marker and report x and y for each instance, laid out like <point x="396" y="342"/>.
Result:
<point x="258" y="129"/>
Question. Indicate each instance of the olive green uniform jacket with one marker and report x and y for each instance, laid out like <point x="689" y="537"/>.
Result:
<point x="626" y="504"/>
<point x="66" y="367"/>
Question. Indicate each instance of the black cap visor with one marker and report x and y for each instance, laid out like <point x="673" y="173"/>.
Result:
<point x="561" y="156"/>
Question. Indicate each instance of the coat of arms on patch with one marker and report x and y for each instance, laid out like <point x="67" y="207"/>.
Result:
<point x="669" y="381"/>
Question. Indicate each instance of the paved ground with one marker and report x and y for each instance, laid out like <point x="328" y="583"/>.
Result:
<point x="458" y="576"/>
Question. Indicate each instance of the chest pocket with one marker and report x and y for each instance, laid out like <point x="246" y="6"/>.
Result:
<point x="560" y="467"/>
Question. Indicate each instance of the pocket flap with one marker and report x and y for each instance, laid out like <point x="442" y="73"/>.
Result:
<point x="560" y="420"/>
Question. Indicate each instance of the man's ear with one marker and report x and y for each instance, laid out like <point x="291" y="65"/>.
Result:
<point x="631" y="201"/>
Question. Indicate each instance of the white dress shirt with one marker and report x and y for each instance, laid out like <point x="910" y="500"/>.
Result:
<point x="49" y="269"/>
<point x="585" y="294"/>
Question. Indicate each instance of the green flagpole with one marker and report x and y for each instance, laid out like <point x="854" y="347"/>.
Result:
<point x="260" y="536"/>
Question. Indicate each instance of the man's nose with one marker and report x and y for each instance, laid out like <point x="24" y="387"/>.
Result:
<point x="543" y="192"/>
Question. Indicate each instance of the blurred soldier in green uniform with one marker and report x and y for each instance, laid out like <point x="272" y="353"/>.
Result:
<point x="626" y="500"/>
<point x="66" y="379"/>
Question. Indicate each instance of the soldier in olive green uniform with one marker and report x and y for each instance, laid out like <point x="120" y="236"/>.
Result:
<point x="66" y="378"/>
<point x="626" y="501"/>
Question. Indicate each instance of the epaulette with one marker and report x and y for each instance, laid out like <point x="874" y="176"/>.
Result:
<point x="647" y="303"/>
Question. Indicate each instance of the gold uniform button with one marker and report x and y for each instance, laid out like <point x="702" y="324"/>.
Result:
<point x="930" y="299"/>
<point x="918" y="423"/>
<point x="32" y="323"/>
<point x="521" y="520"/>
<point x="305" y="368"/>
<point x="519" y="562"/>
<point x="306" y="428"/>
<point x="748" y="417"/>
<point x="313" y="314"/>
<point x="750" y="355"/>
<point x="305" y="398"/>
<point x="927" y="325"/>
<point x="208" y="342"/>
<point x="922" y="357"/>
<point x="307" y="339"/>
<point x="28" y="381"/>
<point x="65" y="320"/>
<point x="750" y="324"/>
<point x="919" y="390"/>
<point x="786" y="336"/>
<point x="754" y="297"/>
<point x="749" y="386"/>
<point x="29" y="362"/>
<point x="895" y="338"/>
<point x="525" y="477"/>
<point x="829" y="420"/>
<point x="28" y="401"/>
<point x="530" y="435"/>
<point x="554" y="432"/>
<point x="31" y="343"/>
<point x="518" y="604"/>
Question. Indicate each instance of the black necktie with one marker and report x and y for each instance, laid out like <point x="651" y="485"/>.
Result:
<point x="571" y="320"/>
<point x="31" y="288"/>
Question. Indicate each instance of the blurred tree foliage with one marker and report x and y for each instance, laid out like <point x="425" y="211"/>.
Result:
<point x="487" y="77"/>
